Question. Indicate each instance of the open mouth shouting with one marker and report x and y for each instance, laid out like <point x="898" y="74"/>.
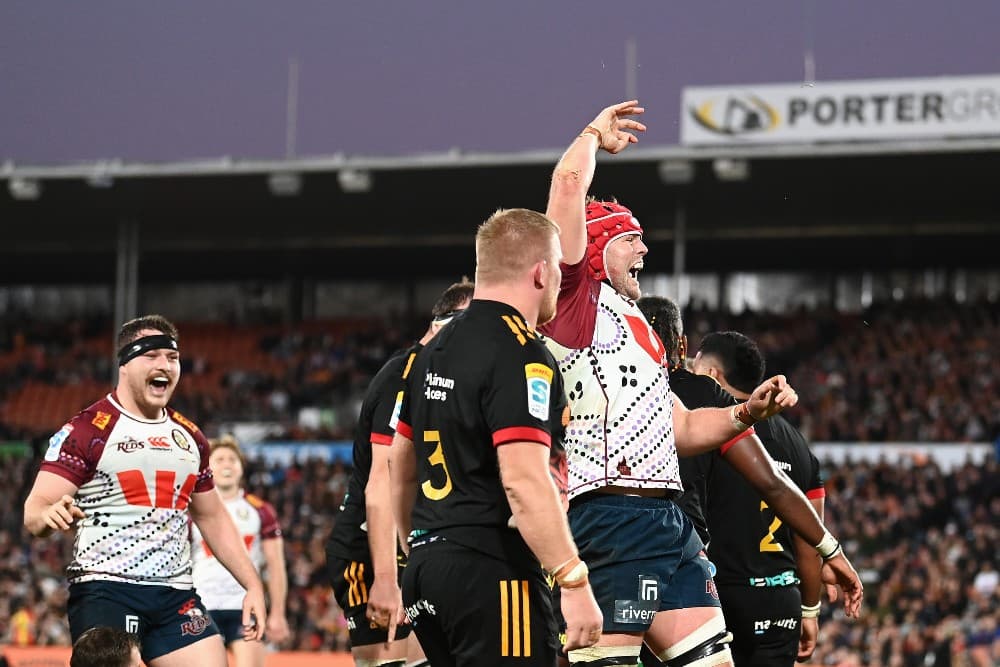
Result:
<point x="159" y="385"/>
<point x="634" y="270"/>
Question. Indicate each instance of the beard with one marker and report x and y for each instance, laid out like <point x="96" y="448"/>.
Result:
<point x="547" y="309"/>
<point x="627" y="286"/>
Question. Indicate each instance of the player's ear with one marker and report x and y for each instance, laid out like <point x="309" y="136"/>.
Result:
<point x="538" y="274"/>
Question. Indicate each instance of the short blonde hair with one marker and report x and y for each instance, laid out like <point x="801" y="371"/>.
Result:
<point x="228" y="441"/>
<point x="510" y="242"/>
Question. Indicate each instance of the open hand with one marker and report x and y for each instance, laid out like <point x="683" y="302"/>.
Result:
<point x="613" y="123"/>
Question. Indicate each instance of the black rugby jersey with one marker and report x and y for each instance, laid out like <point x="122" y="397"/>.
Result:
<point x="697" y="391"/>
<point x="349" y="537"/>
<point x="484" y="381"/>
<point x="750" y="545"/>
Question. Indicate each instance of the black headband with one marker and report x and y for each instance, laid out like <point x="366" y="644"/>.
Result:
<point x="143" y="345"/>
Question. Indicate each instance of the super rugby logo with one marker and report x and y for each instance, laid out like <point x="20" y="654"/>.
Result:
<point x="539" y="378"/>
<point x="56" y="442"/>
<point x="735" y="116"/>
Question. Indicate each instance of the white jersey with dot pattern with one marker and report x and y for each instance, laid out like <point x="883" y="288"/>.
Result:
<point x="620" y="430"/>
<point x="135" y="478"/>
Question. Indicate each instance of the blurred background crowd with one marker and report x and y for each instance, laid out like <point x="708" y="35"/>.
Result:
<point x="923" y="537"/>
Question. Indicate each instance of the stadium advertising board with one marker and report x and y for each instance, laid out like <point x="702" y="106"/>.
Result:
<point x="877" y="109"/>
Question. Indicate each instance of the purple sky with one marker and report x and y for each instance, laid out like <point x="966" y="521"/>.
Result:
<point x="145" y="81"/>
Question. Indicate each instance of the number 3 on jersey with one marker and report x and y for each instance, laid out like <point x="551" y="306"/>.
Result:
<point x="436" y="459"/>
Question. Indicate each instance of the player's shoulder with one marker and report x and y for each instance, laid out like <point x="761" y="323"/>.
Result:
<point x="699" y="391"/>
<point x="256" y="502"/>
<point x="183" y="421"/>
<point x="784" y="432"/>
<point x="262" y="506"/>
<point x="99" y="417"/>
<point x="390" y="377"/>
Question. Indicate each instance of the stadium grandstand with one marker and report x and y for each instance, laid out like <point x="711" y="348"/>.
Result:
<point x="865" y="266"/>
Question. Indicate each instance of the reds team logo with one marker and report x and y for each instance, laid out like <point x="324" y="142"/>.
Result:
<point x="197" y="621"/>
<point x="129" y="445"/>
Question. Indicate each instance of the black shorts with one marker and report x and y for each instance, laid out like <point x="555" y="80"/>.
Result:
<point x="765" y="623"/>
<point x="230" y="624"/>
<point x="351" y="580"/>
<point x="165" y="618"/>
<point x="468" y="608"/>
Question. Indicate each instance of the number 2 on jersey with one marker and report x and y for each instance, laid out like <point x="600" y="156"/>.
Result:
<point x="767" y="543"/>
<point x="436" y="458"/>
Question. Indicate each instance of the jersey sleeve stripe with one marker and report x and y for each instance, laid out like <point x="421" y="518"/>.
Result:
<point x="69" y="475"/>
<point x="380" y="438"/>
<point x="526" y="433"/>
<point x="404" y="429"/>
<point x="744" y="434"/>
<point x="816" y="493"/>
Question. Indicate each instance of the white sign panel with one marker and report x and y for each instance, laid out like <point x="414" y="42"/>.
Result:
<point x="875" y="109"/>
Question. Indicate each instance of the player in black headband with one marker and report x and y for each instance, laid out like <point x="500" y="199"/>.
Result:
<point x="128" y="474"/>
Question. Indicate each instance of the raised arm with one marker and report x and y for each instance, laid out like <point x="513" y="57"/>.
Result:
<point x="574" y="172"/>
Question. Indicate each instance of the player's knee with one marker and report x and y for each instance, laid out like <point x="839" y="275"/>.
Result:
<point x="705" y="647"/>
<point x="605" y="656"/>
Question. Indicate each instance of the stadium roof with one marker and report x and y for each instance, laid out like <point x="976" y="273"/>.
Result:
<point x="813" y="207"/>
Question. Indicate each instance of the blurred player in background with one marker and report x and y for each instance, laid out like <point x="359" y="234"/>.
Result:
<point x="768" y="578"/>
<point x="127" y="473"/>
<point x="365" y="514"/>
<point x="649" y="572"/>
<point x="257" y="523"/>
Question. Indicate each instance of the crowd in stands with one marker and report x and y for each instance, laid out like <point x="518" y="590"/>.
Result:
<point x="925" y="541"/>
<point x="911" y="371"/>
<point x="906" y="371"/>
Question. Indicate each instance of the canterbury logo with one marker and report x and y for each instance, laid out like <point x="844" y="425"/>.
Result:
<point x="357" y="592"/>
<point x="518" y="328"/>
<point x="515" y="619"/>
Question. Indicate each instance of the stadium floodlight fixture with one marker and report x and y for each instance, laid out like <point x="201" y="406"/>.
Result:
<point x="284" y="184"/>
<point x="355" y="180"/>
<point x="24" y="189"/>
<point x="731" y="169"/>
<point x="676" y="172"/>
<point x="101" y="180"/>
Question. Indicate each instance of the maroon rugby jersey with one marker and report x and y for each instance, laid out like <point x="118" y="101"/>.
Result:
<point x="135" y="479"/>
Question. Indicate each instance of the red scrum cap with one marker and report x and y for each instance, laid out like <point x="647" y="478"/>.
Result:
<point x="606" y="221"/>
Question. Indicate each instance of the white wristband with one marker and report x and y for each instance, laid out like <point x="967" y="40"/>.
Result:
<point x="828" y="547"/>
<point x="810" y="611"/>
